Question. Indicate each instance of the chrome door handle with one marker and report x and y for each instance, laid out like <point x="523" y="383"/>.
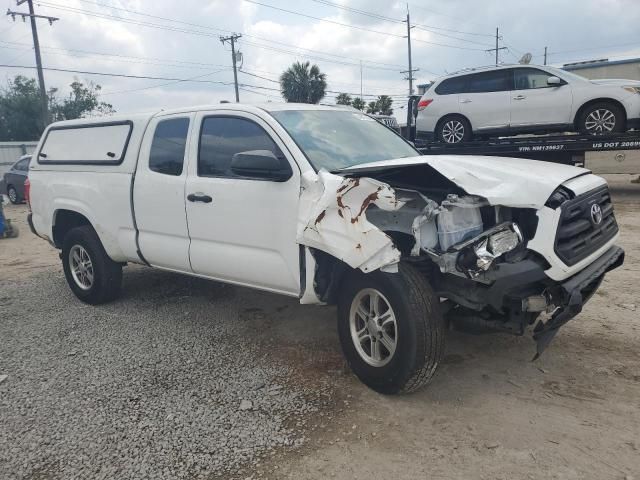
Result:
<point x="519" y="97"/>
<point x="465" y="100"/>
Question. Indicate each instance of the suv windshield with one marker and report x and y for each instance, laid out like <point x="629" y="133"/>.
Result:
<point x="333" y="139"/>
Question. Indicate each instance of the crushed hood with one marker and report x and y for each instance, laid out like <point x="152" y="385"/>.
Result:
<point x="513" y="182"/>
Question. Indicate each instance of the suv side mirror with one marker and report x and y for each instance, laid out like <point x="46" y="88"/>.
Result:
<point x="260" y="164"/>
<point x="555" y="81"/>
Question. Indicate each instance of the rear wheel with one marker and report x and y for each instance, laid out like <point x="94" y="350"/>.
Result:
<point x="92" y="276"/>
<point x="12" y="193"/>
<point x="391" y="329"/>
<point x="601" y="118"/>
<point x="454" y="129"/>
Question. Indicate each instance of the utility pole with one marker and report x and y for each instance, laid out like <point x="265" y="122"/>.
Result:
<point x="36" y="46"/>
<point x="411" y="69"/>
<point x="232" y="39"/>
<point x="409" y="76"/>
<point x="498" y="48"/>
<point x="360" y="79"/>
<point x="545" y="55"/>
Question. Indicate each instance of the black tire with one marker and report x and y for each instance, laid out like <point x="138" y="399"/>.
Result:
<point x="420" y="329"/>
<point x="12" y="193"/>
<point x="107" y="274"/>
<point x="618" y="113"/>
<point x="453" y="121"/>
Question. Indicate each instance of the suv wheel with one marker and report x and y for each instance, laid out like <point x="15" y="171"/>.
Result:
<point x="92" y="276"/>
<point x="454" y="129"/>
<point x="12" y="193"/>
<point x="601" y="118"/>
<point x="391" y="329"/>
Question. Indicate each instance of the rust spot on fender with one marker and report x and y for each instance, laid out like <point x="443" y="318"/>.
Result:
<point x="367" y="201"/>
<point x="320" y="217"/>
<point x="359" y="247"/>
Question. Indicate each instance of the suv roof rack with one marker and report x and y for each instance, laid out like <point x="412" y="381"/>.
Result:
<point x="481" y="68"/>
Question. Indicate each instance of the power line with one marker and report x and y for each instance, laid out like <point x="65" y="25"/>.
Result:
<point x="161" y="84"/>
<point x="192" y="32"/>
<point x="426" y="28"/>
<point x="357" y="27"/>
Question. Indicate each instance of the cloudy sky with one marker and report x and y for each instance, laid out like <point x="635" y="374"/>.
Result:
<point x="171" y="41"/>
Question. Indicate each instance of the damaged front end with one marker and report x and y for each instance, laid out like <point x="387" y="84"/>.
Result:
<point x="473" y="252"/>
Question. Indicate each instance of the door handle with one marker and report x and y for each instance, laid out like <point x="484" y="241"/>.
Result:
<point x="198" y="197"/>
<point x="519" y="97"/>
<point x="465" y="100"/>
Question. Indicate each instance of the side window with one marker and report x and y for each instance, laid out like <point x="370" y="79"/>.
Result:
<point x="492" y="81"/>
<point x="22" y="165"/>
<point x="168" y="145"/>
<point x="451" y="86"/>
<point x="528" y="78"/>
<point x="223" y="137"/>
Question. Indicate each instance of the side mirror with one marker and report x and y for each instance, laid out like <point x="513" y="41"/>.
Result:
<point x="555" y="81"/>
<point x="262" y="164"/>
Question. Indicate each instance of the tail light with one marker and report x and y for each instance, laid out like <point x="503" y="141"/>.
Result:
<point x="27" y="192"/>
<point x="422" y="104"/>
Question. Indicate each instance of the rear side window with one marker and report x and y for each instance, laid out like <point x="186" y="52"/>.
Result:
<point x="22" y="165"/>
<point x="97" y="143"/>
<point x="529" y="78"/>
<point x="451" y="86"/>
<point x="493" y="81"/>
<point x="168" y="146"/>
<point x="222" y="137"/>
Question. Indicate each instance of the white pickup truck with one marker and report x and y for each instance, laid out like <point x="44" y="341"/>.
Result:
<point x="329" y="206"/>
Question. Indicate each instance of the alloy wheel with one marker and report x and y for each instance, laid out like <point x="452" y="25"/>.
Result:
<point x="453" y="131"/>
<point x="81" y="267"/>
<point x="373" y="326"/>
<point x="601" y="120"/>
<point x="13" y="195"/>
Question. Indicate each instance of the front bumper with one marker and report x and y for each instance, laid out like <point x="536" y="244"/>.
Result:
<point x="570" y="295"/>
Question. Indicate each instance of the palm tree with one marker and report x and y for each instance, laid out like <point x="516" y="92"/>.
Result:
<point x="303" y="83"/>
<point x="372" y="108"/>
<point x="383" y="104"/>
<point x="358" y="103"/>
<point x="343" y="99"/>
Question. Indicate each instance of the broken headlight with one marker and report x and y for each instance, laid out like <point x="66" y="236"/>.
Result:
<point x="479" y="253"/>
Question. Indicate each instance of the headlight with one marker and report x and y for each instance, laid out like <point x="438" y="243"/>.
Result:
<point x="481" y="253"/>
<point x="632" y="89"/>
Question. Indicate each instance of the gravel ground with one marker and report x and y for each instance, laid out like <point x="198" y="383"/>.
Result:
<point x="160" y="384"/>
<point x="157" y="385"/>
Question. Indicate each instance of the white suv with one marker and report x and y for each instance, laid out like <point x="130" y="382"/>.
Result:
<point x="514" y="99"/>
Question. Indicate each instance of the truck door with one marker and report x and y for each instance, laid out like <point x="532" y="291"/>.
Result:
<point x="159" y="195"/>
<point x="242" y="225"/>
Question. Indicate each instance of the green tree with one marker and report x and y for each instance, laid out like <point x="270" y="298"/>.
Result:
<point x="20" y="114"/>
<point x="358" y="103"/>
<point x="343" y="99"/>
<point x="383" y="105"/>
<point x="372" y="107"/>
<point x="82" y="102"/>
<point x="303" y="83"/>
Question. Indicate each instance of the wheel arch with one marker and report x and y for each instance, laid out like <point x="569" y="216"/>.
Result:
<point x="443" y="118"/>
<point x="63" y="221"/>
<point x="580" y="111"/>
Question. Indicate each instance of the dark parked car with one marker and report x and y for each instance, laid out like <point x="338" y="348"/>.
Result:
<point x="13" y="180"/>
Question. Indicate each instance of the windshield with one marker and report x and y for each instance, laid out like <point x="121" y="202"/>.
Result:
<point x="333" y="140"/>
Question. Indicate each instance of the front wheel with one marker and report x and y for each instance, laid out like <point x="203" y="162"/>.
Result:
<point x="93" y="277"/>
<point x="601" y="118"/>
<point x="391" y="329"/>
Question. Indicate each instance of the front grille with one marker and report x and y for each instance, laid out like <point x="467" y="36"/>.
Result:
<point x="578" y="234"/>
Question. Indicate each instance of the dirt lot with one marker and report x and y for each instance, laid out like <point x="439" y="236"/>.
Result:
<point x="150" y="385"/>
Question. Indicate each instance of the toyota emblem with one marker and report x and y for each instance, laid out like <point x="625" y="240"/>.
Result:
<point x="596" y="214"/>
